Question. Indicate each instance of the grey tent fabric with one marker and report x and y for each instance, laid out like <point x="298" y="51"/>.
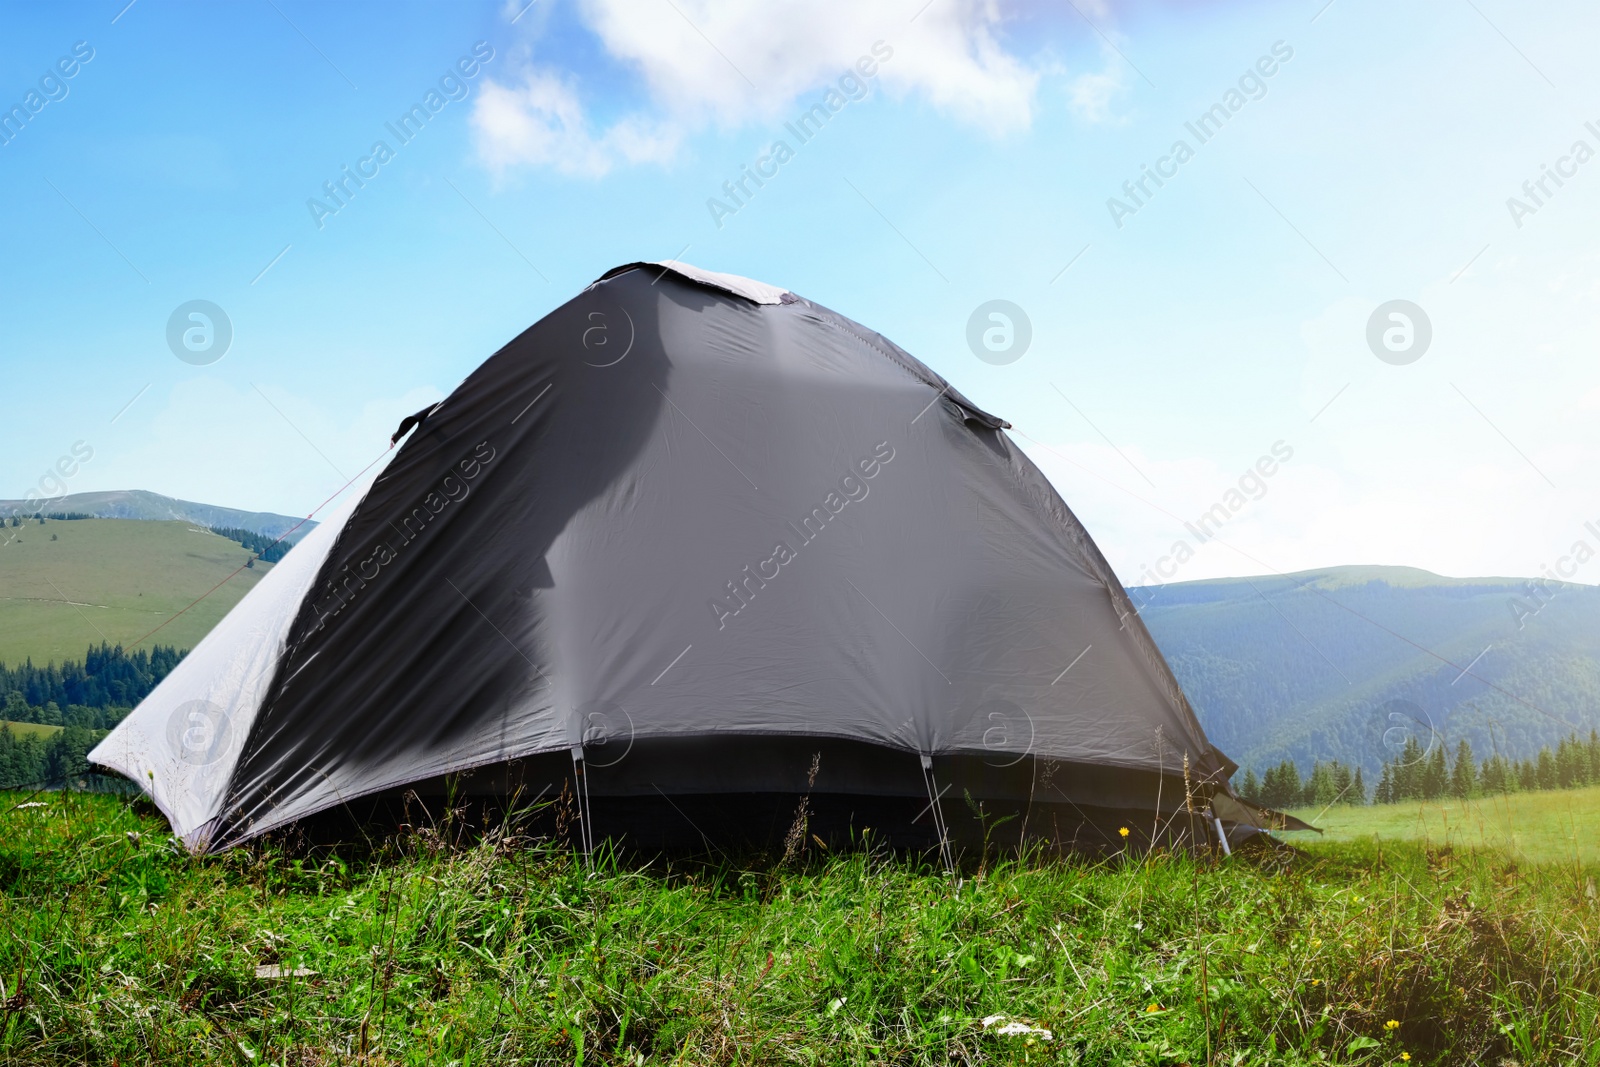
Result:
<point x="683" y="508"/>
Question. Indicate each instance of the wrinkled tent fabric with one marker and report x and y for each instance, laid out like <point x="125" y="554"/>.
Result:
<point x="685" y="508"/>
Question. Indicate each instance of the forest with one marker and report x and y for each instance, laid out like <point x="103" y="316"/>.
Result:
<point x="53" y="715"/>
<point x="1426" y="773"/>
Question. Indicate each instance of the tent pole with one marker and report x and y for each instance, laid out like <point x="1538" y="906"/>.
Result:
<point x="585" y="831"/>
<point x="932" y="785"/>
<point x="1222" y="837"/>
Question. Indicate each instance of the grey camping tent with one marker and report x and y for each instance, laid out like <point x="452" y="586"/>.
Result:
<point x="689" y="548"/>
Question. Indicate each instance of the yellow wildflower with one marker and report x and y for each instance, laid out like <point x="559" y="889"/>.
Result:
<point x="1391" y="1025"/>
<point x="1123" y="831"/>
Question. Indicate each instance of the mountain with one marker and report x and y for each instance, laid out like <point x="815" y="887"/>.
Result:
<point x="1345" y="663"/>
<point x="66" y="585"/>
<point x="139" y="504"/>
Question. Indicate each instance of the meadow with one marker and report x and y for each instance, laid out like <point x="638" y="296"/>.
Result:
<point x="71" y="584"/>
<point x="30" y="729"/>
<point x="1553" y="827"/>
<point x="444" y="945"/>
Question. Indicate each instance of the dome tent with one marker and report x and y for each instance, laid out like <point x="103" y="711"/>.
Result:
<point x="692" y="547"/>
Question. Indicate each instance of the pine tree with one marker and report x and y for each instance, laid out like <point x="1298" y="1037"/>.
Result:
<point x="1495" y="777"/>
<point x="1406" y="783"/>
<point x="1572" y="763"/>
<point x="1384" y="794"/>
<point x="1358" y="790"/>
<point x="1464" y="776"/>
<point x="1289" y="781"/>
<point x="1251" y="789"/>
<point x="1527" y="776"/>
<point x="21" y="760"/>
<point x="1545" y="776"/>
<point x="1320" y="790"/>
<point x="1436" y="776"/>
<point x="1343" y="785"/>
<point x="1281" y="787"/>
<point x="65" y="753"/>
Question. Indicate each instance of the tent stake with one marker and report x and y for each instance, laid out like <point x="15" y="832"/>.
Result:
<point x="585" y="831"/>
<point x="938" y="815"/>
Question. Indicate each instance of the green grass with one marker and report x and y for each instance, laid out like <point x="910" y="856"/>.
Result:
<point x="440" y="947"/>
<point x="112" y="580"/>
<point x="1560" y="826"/>
<point x="30" y="729"/>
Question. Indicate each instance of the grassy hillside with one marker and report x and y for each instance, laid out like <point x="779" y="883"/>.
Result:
<point x="30" y="729"/>
<point x="141" y="504"/>
<point x="438" y="947"/>
<point x="1301" y="666"/>
<point x="1556" y="827"/>
<point x="111" y="580"/>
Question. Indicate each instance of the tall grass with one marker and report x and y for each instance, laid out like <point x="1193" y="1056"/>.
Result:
<point x="443" y="946"/>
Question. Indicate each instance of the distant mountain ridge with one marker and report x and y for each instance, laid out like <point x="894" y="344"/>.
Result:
<point x="1339" y="663"/>
<point x="145" y="505"/>
<point x="1345" y="662"/>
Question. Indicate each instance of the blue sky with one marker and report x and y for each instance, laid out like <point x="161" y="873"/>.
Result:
<point x="1227" y="314"/>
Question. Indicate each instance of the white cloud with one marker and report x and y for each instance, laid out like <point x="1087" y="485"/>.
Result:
<point x="732" y="62"/>
<point x="541" y="123"/>
<point x="1089" y="95"/>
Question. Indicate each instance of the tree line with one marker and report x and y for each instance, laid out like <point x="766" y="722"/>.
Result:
<point x="1282" y="787"/>
<point x="108" y="676"/>
<point x="86" y="698"/>
<point x="1419" y="773"/>
<point x="30" y="761"/>
<point x="267" y="549"/>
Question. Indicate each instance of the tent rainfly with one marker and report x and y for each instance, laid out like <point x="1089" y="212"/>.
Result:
<point x="695" y="555"/>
